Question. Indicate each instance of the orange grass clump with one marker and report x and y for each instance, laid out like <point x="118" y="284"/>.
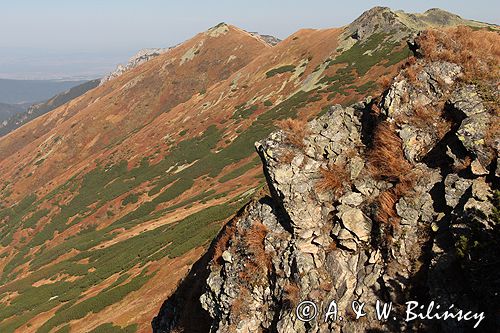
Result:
<point x="386" y="159"/>
<point x="295" y="131"/>
<point x="333" y="179"/>
<point x="493" y="130"/>
<point x="291" y="295"/>
<point x="287" y="157"/>
<point x="332" y="246"/>
<point x="386" y="212"/>
<point x="385" y="82"/>
<point x="239" y="305"/>
<point x="254" y="240"/>
<point x="411" y="73"/>
<point x="259" y="262"/>
<point x="222" y="243"/>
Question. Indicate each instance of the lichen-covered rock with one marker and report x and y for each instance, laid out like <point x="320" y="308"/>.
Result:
<point x="406" y="99"/>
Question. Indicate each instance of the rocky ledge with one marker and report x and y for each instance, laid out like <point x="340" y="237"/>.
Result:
<point x="392" y="199"/>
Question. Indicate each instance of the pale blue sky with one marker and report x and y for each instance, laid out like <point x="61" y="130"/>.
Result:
<point x="53" y="38"/>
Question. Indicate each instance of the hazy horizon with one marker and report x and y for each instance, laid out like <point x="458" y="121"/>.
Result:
<point x="87" y="39"/>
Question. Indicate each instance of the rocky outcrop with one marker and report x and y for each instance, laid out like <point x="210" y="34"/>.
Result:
<point x="271" y="40"/>
<point x="139" y="58"/>
<point x="392" y="199"/>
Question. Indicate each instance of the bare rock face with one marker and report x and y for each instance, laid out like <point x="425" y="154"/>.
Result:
<point x="325" y="250"/>
<point x="336" y="228"/>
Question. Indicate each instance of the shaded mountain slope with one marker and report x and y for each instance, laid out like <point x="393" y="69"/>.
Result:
<point x="31" y="91"/>
<point x="9" y="110"/>
<point x="108" y="199"/>
<point x="36" y="110"/>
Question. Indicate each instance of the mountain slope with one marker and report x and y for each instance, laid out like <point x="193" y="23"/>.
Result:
<point x="108" y="199"/>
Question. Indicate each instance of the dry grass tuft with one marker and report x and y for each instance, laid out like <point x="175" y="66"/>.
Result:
<point x="405" y="98"/>
<point x="333" y="179"/>
<point x="287" y="157"/>
<point x="476" y="51"/>
<point x="239" y="305"/>
<point x="244" y="275"/>
<point x="385" y="82"/>
<point x="432" y="116"/>
<point x="375" y="109"/>
<point x="260" y="262"/>
<point x="386" y="211"/>
<point x="386" y="201"/>
<point x="291" y="295"/>
<point x="411" y="68"/>
<point x="295" y="131"/>
<point x="386" y="159"/>
<point x="493" y="131"/>
<point x="254" y="238"/>
<point x="425" y="115"/>
<point x="406" y="183"/>
<point x="332" y="247"/>
<point x="463" y="164"/>
<point x="412" y="72"/>
<point x="223" y="242"/>
<point x="326" y="286"/>
<point x="410" y="62"/>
